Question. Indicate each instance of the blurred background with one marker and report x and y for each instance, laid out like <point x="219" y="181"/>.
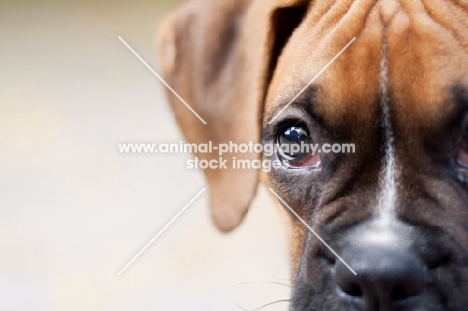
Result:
<point x="74" y="211"/>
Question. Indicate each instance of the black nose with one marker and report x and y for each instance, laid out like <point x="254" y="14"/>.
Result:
<point x="387" y="278"/>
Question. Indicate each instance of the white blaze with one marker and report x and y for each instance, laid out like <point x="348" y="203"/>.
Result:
<point x="387" y="196"/>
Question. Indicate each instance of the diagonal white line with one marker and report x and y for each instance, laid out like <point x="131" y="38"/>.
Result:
<point x="313" y="231"/>
<point x="312" y="81"/>
<point x="162" y="80"/>
<point x="160" y="232"/>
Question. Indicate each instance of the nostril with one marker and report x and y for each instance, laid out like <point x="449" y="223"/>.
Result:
<point x="439" y="259"/>
<point x="399" y="293"/>
<point x="384" y="274"/>
<point x="412" y="287"/>
<point x="352" y="289"/>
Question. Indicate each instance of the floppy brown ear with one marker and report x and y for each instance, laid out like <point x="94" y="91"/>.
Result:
<point x="219" y="57"/>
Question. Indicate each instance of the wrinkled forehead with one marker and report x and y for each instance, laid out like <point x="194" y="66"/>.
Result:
<point x="424" y="49"/>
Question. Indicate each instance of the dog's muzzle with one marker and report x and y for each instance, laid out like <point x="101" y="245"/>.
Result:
<point x="388" y="276"/>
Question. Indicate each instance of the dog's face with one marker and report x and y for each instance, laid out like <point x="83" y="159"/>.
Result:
<point x="395" y="210"/>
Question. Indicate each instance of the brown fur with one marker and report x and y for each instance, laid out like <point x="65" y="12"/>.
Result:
<point x="234" y="63"/>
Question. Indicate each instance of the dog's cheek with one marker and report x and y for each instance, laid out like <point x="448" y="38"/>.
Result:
<point x="314" y="288"/>
<point x="297" y="245"/>
<point x="295" y="231"/>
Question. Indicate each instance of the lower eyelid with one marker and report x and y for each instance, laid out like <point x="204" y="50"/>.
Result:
<point x="462" y="158"/>
<point x="312" y="161"/>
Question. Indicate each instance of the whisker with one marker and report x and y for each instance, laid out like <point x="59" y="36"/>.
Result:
<point x="281" y="280"/>
<point x="266" y="282"/>
<point x="265" y="305"/>
<point x="241" y="307"/>
<point x="271" y="303"/>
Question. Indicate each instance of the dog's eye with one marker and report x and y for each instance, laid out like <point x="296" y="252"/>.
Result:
<point x="296" y="149"/>
<point x="462" y="155"/>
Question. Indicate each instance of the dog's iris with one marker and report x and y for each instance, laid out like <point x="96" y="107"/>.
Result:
<point x="295" y="147"/>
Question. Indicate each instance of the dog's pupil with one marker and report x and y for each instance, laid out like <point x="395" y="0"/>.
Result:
<point x="293" y="136"/>
<point x="296" y="134"/>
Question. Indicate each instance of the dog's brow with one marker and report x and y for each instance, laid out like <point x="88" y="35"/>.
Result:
<point x="305" y="102"/>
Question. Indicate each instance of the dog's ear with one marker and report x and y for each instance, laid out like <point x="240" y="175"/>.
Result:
<point x="219" y="57"/>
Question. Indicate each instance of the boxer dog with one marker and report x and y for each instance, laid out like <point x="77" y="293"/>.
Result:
<point x="396" y="210"/>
